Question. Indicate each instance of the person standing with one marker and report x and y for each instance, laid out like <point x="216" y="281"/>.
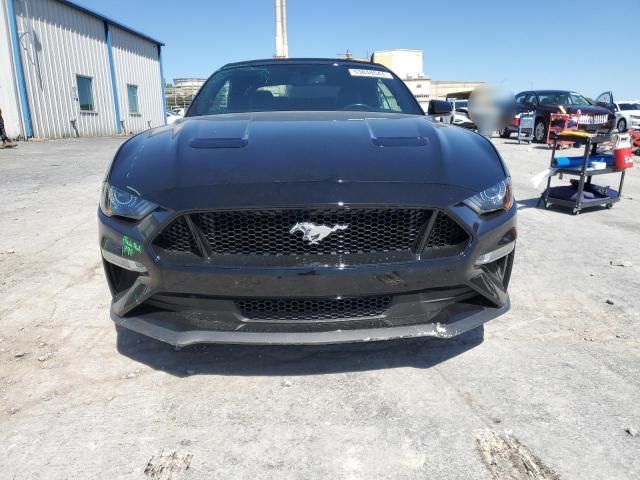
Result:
<point x="3" y="133"/>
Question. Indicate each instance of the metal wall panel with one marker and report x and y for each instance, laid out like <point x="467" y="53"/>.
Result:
<point x="9" y="102"/>
<point x="137" y="63"/>
<point x="58" y="43"/>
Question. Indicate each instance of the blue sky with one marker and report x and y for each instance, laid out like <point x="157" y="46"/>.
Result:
<point x="578" y="45"/>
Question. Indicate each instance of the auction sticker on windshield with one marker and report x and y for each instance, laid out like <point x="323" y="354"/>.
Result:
<point x="359" y="72"/>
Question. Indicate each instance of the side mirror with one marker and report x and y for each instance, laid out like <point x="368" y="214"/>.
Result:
<point x="439" y="107"/>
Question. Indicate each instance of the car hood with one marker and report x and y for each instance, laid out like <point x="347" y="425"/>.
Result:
<point x="587" y="109"/>
<point x="233" y="151"/>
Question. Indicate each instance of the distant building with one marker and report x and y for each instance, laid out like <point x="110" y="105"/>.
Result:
<point x="409" y="66"/>
<point x="181" y="93"/>
<point x="188" y="86"/>
<point x="442" y="89"/>
<point x="68" y="71"/>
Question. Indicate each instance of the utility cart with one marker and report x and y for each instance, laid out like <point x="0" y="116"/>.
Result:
<point x="526" y="124"/>
<point x="582" y="192"/>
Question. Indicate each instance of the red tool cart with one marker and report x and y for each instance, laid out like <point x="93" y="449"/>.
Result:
<point x="560" y="122"/>
<point x="635" y="140"/>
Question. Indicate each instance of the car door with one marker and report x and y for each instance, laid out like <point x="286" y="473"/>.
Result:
<point x="606" y="100"/>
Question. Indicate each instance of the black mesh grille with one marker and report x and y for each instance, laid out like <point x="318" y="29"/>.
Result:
<point x="267" y="232"/>
<point x="445" y="233"/>
<point x="177" y="238"/>
<point x="312" y="309"/>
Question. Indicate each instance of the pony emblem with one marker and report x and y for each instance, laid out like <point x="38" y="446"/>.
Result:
<point x="313" y="233"/>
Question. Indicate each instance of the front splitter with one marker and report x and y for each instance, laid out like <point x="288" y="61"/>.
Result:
<point x="167" y="331"/>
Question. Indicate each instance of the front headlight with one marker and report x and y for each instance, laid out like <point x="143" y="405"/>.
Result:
<point x="121" y="203"/>
<point x="497" y="197"/>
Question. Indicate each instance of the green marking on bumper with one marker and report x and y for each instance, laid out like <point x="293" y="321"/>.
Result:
<point x="129" y="247"/>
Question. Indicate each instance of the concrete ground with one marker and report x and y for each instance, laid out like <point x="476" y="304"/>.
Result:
<point x="552" y="392"/>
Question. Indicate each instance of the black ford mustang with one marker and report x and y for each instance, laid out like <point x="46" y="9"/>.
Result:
<point x="306" y="201"/>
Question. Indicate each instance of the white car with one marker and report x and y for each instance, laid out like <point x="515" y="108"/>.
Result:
<point x="628" y="115"/>
<point x="627" y="111"/>
<point x="172" y="117"/>
<point x="460" y="114"/>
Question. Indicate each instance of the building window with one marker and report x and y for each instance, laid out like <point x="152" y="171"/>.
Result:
<point x="132" y="94"/>
<point x="85" y="93"/>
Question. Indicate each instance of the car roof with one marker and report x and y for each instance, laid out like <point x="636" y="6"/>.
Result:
<point x="551" y="91"/>
<point x="302" y="61"/>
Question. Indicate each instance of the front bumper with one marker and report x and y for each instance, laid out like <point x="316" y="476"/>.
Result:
<point x="186" y="304"/>
<point x="169" y="329"/>
<point x="590" y="126"/>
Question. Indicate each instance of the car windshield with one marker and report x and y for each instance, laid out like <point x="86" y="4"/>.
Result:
<point x="576" y="99"/>
<point x="303" y="87"/>
<point x="630" y="106"/>
<point x="562" y="98"/>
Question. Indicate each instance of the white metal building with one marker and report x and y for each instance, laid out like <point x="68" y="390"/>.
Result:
<point x="68" y="71"/>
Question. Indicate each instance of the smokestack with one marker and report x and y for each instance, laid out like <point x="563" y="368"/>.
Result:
<point x="279" y="31"/>
<point x="285" y="41"/>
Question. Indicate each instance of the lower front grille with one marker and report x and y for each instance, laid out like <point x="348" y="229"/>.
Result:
<point x="283" y="309"/>
<point x="320" y="314"/>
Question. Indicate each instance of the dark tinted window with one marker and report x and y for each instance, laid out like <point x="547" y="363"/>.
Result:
<point x="562" y="98"/>
<point x="630" y="106"/>
<point x="85" y="93"/>
<point x="303" y="87"/>
<point x="577" y="99"/>
<point x="132" y="95"/>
